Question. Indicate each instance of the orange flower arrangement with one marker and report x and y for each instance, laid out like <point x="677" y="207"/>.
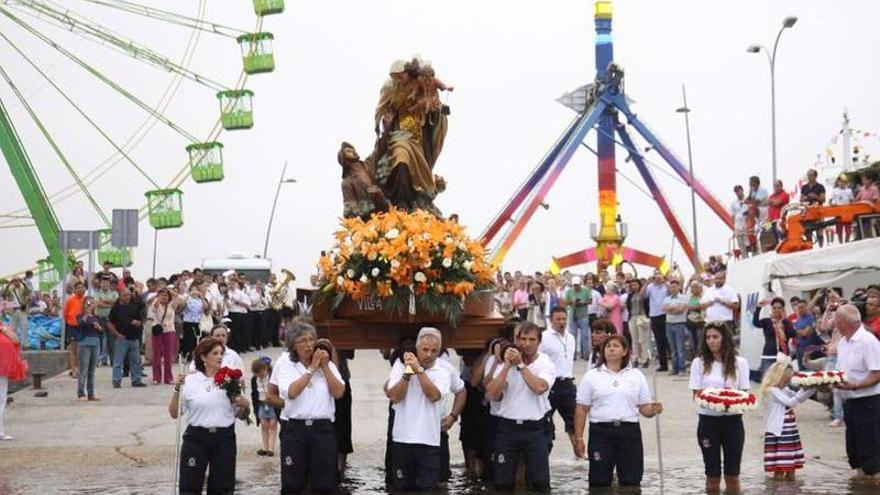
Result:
<point x="397" y="255"/>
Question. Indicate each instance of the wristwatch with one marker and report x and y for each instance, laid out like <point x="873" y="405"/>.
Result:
<point x="521" y="366"/>
<point x="420" y="370"/>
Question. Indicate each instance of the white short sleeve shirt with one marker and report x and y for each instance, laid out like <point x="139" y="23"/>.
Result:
<point x="613" y="396"/>
<point x="315" y="401"/>
<point x="560" y="349"/>
<point x="858" y="356"/>
<point x="719" y="312"/>
<point x="519" y="402"/>
<point x="715" y="379"/>
<point x="205" y="404"/>
<point x="416" y="418"/>
<point x="493" y="404"/>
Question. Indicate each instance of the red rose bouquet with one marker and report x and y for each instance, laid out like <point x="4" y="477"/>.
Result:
<point x="230" y="380"/>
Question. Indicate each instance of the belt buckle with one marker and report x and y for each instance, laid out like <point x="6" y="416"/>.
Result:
<point x="212" y="430"/>
<point x="520" y="422"/>
<point x="309" y="422"/>
<point x="617" y="422"/>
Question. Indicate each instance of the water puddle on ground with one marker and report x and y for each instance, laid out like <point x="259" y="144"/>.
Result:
<point x="567" y="479"/>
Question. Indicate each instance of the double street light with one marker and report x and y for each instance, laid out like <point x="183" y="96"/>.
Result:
<point x="788" y="22"/>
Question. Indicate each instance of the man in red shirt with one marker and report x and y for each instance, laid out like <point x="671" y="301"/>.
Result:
<point x="872" y="315"/>
<point x="777" y="201"/>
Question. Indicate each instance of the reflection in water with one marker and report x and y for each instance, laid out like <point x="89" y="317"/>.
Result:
<point x="569" y="478"/>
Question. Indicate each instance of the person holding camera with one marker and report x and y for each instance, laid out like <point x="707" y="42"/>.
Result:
<point x="209" y="440"/>
<point x="522" y="389"/>
<point x="416" y="387"/>
<point x="309" y="383"/>
<point x="193" y="309"/>
<point x="161" y="311"/>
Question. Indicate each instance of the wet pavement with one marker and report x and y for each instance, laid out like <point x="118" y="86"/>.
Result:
<point x="125" y="445"/>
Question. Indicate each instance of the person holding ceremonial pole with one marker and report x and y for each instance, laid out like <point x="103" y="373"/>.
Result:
<point x="209" y="440"/>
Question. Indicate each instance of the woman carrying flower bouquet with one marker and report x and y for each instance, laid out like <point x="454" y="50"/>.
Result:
<point x="718" y="366"/>
<point x="783" y="453"/>
<point x="309" y="382"/>
<point x="211" y="409"/>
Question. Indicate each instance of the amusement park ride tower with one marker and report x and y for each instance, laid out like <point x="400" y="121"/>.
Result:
<point x="599" y="105"/>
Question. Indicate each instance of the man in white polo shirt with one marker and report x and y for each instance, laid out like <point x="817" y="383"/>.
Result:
<point x="559" y="346"/>
<point x="858" y="356"/>
<point x="522" y="388"/>
<point x="416" y="387"/>
<point x="720" y="300"/>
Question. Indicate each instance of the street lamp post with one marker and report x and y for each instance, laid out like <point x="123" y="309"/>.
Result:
<point x="687" y="125"/>
<point x="281" y="181"/>
<point x="771" y="56"/>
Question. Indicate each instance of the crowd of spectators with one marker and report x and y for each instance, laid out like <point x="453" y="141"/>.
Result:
<point x="757" y="213"/>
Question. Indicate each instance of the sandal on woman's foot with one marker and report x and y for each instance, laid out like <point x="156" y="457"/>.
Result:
<point x="261" y="452"/>
<point x="269" y="453"/>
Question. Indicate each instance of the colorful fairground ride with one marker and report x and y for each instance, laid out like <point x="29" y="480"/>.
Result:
<point x="599" y="105"/>
<point x="78" y="43"/>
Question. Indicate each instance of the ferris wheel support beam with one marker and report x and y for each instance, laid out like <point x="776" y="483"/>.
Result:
<point x="31" y="188"/>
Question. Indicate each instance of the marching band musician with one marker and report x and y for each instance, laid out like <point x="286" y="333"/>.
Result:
<point x="258" y="315"/>
<point x="309" y="382"/>
<point x="560" y="346"/>
<point x="522" y="388"/>
<point x="209" y="439"/>
<point x="613" y="395"/>
<point x="416" y="387"/>
<point x="238" y="305"/>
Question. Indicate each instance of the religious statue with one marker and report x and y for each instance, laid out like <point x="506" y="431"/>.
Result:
<point x="410" y="122"/>
<point x="361" y="196"/>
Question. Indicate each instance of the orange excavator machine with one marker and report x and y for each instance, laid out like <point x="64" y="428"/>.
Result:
<point x="797" y="218"/>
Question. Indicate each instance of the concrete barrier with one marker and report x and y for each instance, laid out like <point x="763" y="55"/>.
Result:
<point x="47" y="363"/>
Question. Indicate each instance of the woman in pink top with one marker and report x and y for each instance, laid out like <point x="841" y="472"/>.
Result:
<point x="869" y="190"/>
<point x="520" y="300"/>
<point x="614" y="310"/>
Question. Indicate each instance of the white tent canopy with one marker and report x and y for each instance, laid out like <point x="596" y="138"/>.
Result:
<point x="851" y="265"/>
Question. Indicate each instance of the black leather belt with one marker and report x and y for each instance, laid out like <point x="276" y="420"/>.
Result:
<point x="524" y="422"/>
<point x="310" y="422"/>
<point x="614" y="424"/>
<point x="212" y="429"/>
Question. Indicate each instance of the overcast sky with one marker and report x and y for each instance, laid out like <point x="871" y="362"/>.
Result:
<point x="508" y="60"/>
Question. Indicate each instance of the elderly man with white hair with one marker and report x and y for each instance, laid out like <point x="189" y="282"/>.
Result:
<point x="858" y="356"/>
<point x="416" y="387"/>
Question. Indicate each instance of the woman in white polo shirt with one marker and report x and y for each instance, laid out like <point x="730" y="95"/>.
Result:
<point x="209" y="439"/>
<point x="613" y="395"/>
<point x="718" y="366"/>
<point x="309" y="383"/>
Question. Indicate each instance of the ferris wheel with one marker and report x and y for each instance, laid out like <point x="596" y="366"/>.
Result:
<point x="92" y="92"/>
